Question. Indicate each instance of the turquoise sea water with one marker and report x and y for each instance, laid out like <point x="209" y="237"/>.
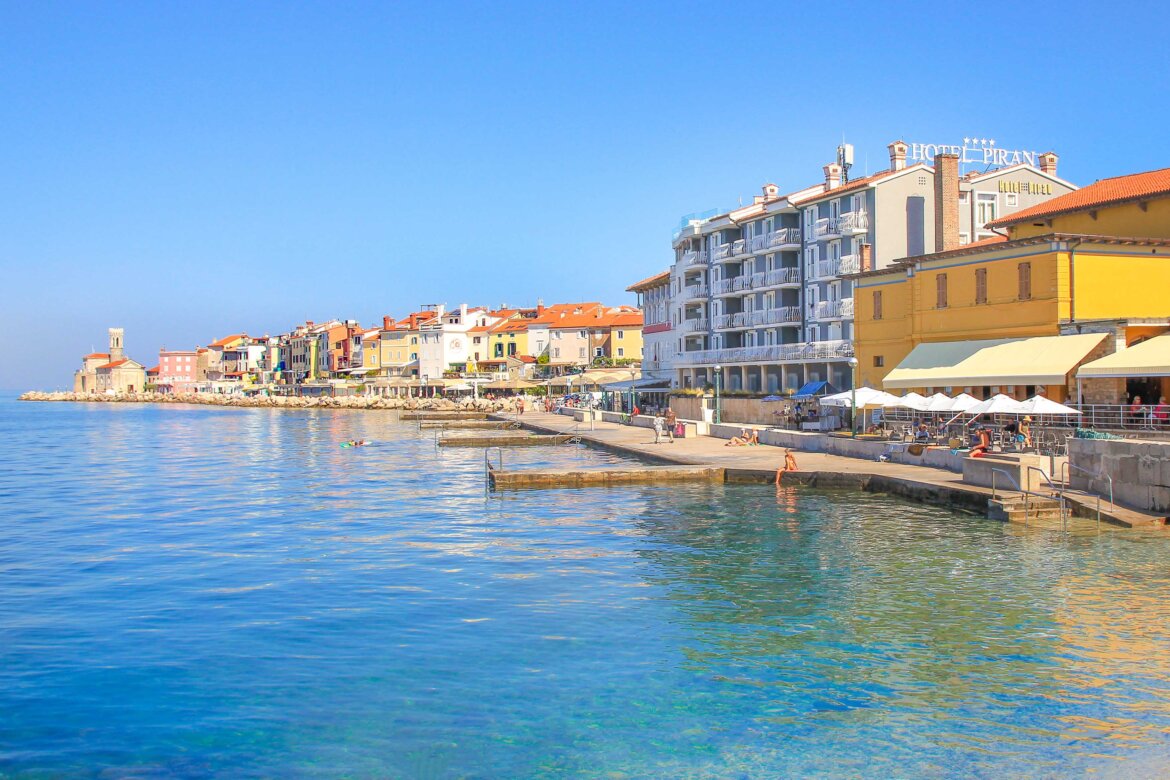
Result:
<point x="193" y="592"/>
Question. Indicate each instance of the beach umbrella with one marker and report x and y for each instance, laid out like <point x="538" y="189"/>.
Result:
<point x="962" y="402"/>
<point x="911" y="400"/>
<point x="866" y="396"/>
<point x="1039" y="404"/>
<point x="939" y="402"/>
<point x="997" y="404"/>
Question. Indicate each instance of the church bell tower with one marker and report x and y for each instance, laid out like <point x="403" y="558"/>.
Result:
<point x="116" y="351"/>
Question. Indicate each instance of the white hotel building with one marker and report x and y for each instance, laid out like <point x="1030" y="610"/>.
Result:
<point x="760" y="292"/>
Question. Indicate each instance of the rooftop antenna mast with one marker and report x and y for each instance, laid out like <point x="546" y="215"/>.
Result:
<point x="845" y="160"/>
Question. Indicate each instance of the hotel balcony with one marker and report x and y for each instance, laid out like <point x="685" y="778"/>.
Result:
<point x="733" y="286"/>
<point x="853" y="222"/>
<point x="694" y="257"/>
<point x="739" y="247"/>
<point x="834" y="310"/>
<point x="778" y="277"/>
<point x="850" y="264"/>
<point x="824" y="269"/>
<point x="827" y="228"/>
<point x="720" y="252"/>
<point x="777" y="353"/>
<point x="695" y="292"/>
<point x="697" y="325"/>
<point x="784" y="237"/>
<point x="784" y="315"/>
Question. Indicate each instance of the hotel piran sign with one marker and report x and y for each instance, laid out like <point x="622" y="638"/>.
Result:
<point x="974" y="151"/>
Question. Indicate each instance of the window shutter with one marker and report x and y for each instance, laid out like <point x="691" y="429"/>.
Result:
<point x="1025" y="281"/>
<point x="877" y="304"/>
<point x="941" y="282"/>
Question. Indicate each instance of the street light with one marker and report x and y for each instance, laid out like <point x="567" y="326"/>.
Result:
<point x="718" y="377"/>
<point x="853" y="397"/>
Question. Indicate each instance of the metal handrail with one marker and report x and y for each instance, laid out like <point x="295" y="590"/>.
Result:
<point x="1058" y="491"/>
<point x="487" y="464"/>
<point x="1064" y="478"/>
<point x="1019" y="489"/>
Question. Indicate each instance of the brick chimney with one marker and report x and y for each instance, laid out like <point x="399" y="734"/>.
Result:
<point x="898" y="151"/>
<point x="1048" y="162"/>
<point x="387" y="322"/>
<point x="866" y="257"/>
<point x="832" y="176"/>
<point x="946" y="202"/>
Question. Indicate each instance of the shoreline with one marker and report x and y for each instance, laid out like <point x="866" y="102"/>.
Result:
<point x="356" y="402"/>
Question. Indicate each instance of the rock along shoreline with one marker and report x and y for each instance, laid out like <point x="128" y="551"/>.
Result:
<point x="274" y="402"/>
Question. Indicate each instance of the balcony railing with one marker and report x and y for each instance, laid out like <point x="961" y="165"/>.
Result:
<point x="826" y="228"/>
<point x="739" y="247"/>
<point x="694" y="257"/>
<point x="850" y="264"/>
<point x="804" y="352"/>
<point x="759" y="243"/>
<point x="694" y="291"/>
<point x="780" y="276"/>
<point x="697" y="325"/>
<point x="721" y="287"/>
<point x="853" y="222"/>
<point x="720" y="252"/>
<point x="824" y="269"/>
<point x="722" y="322"/>
<point x="834" y="310"/>
<point x="783" y="237"/>
<point x="780" y="316"/>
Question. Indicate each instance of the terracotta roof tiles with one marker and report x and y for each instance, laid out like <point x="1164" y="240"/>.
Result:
<point x="656" y="280"/>
<point x="1106" y="192"/>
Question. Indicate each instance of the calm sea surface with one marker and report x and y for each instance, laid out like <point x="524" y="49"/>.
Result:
<point x="190" y="591"/>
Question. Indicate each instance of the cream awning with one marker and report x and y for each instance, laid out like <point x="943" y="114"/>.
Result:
<point x="1042" y="360"/>
<point x="1149" y="358"/>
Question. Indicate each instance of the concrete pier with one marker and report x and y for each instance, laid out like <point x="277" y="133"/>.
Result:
<point x="444" y="416"/>
<point x="499" y="425"/>
<point x="506" y="440"/>
<point x="820" y="469"/>
<point x="578" y="478"/>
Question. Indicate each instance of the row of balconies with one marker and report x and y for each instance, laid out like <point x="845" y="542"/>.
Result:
<point x="765" y="242"/>
<point x="830" y="269"/>
<point x="803" y="352"/>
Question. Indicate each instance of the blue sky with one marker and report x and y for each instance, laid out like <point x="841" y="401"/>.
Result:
<point x="186" y="170"/>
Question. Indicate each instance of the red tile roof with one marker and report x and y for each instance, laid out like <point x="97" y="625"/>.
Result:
<point x="857" y="184"/>
<point x="1106" y="192"/>
<point x="115" y="364"/>
<point x="227" y="340"/>
<point x="510" y="326"/>
<point x="97" y="355"/>
<point x="657" y="280"/>
<point x="985" y="242"/>
<point x="525" y="358"/>
<point x="152" y="370"/>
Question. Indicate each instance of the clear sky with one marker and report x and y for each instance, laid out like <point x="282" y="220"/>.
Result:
<point x="191" y="169"/>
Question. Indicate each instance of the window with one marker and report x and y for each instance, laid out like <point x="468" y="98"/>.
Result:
<point x="879" y="361"/>
<point x="877" y="304"/>
<point x="940" y="282"/>
<point x="1025" y="281"/>
<point x="581" y="352"/>
<point x="621" y="352"/>
<point x="964" y="197"/>
<point x="556" y="352"/>
<point x="985" y="208"/>
<point x="1011" y="199"/>
<point x="583" y="334"/>
<point x="964" y="239"/>
<point x="621" y="334"/>
<point x="598" y="352"/>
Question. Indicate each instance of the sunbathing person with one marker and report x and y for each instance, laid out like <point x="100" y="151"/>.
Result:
<point x="742" y="440"/>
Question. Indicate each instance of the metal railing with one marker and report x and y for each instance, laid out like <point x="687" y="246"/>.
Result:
<point x="853" y="222"/>
<point x="783" y="236"/>
<point x="1065" y="475"/>
<point x="1011" y="480"/>
<point x="720" y="252"/>
<point x="1150" y="418"/>
<point x="813" y="350"/>
<point x="693" y="291"/>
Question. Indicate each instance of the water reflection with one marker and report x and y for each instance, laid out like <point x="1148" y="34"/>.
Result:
<point x="199" y="591"/>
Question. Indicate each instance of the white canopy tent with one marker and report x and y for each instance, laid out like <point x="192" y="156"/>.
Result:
<point x="865" y="396"/>
<point x="997" y="404"/>
<point x="1042" y="405"/>
<point x="911" y="400"/>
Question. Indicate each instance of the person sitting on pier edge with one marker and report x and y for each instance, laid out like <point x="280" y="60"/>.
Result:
<point x="789" y="465"/>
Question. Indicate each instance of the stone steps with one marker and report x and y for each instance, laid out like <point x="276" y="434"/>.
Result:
<point x="1023" y="509"/>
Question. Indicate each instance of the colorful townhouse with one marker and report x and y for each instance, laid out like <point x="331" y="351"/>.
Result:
<point x="177" y="371"/>
<point x="1074" y="281"/>
<point x="658" y="334"/>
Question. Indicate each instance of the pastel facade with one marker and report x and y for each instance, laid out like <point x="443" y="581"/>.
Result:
<point x="658" y="334"/>
<point x="177" y="370"/>
<point x="1096" y="260"/>
<point x="110" y="372"/>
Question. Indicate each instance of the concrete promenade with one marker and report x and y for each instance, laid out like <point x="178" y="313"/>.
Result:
<point x="759" y="463"/>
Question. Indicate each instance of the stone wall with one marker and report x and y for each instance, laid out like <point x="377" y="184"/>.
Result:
<point x="1140" y="470"/>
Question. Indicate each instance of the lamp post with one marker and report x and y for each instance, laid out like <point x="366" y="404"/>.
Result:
<point x="718" y="379"/>
<point x="853" y="397"/>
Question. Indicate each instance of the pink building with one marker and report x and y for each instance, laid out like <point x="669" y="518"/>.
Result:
<point x="177" y="371"/>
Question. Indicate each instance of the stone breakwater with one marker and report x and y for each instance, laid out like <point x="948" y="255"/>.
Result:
<point x="278" y="402"/>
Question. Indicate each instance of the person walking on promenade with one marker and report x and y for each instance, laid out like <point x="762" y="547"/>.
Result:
<point x="671" y="420"/>
<point x="659" y="422"/>
<point x="789" y="465"/>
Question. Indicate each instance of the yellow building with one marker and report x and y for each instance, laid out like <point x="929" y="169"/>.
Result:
<point x="1095" y="261"/>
